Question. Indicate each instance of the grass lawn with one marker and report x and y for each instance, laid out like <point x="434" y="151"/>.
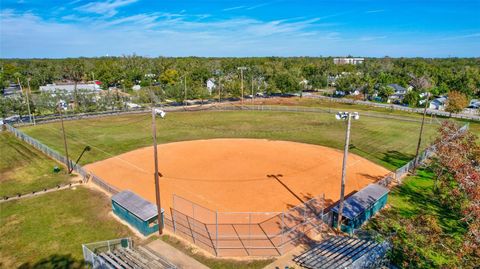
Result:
<point x="388" y="142"/>
<point x="428" y="235"/>
<point x="25" y="169"/>
<point x="48" y="230"/>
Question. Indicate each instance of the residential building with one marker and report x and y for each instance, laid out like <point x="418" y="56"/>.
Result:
<point x="69" y="87"/>
<point x="438" y="103"/>
<point x="474" y="104"/>
<point x="12" y="91"/>
<point x="399" y="93"/>
<point x="348" y="60"/>
<point x="211" y="85"/>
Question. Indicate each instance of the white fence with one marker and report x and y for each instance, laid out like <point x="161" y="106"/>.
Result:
<point x="469" y="116"/>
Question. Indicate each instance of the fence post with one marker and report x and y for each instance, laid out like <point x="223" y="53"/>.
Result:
<point x="283" y="231"/>
<point x="250" y="227"/>
<point x="193" y="217"/>
<point x="216" y="232"/>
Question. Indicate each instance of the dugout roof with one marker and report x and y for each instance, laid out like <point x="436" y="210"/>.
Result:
<point x="361" y="201"/>
<point x="135" y="204"/>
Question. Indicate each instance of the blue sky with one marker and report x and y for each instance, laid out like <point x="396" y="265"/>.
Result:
<point x="400" y="28"/>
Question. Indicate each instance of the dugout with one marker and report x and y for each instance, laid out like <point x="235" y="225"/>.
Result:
<point x="137" y="211"/>
<point x="361" y="206"/>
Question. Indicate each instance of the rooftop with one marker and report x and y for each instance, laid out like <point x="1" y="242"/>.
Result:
<point x="138" y="206"/>
<point x="362" y="200"/>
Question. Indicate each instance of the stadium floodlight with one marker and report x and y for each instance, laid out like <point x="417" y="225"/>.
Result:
<point x="160" y="112"/>
<point x="344" y="116"/>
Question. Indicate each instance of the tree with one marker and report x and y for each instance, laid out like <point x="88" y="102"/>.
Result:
<point x="458" y="156"/>
<point x="318" y="81"/>
<point x="285" y="82"/>
<point x="457" y="101"/>
<point x="368" y="85"/>
<point x="411" y="98"/>
<point x="421" y="83"/>
<point x="169" y="77"/>
<point x="384" y="91"/>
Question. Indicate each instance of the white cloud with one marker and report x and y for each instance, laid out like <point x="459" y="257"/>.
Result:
<point x="372" y="38"/>
<point x="233" y="8"/>
<point x="375" y="11"/>
<point x="181" y="34"/>
<point x="107" y="8"/>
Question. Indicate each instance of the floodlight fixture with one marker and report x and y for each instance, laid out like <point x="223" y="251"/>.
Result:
<point x="160" y="112"/>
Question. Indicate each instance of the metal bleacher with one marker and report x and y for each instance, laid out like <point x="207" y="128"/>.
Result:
<point x="336" y="252"/>
<point x="121" y="254"/>
<point x="138" y="258"/>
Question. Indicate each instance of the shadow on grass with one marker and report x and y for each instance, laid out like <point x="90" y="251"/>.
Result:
<point x="55" y="261"/>
<point x="396" y="158"/>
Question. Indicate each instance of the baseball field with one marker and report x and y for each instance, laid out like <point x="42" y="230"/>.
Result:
<point x="226" y="162"/>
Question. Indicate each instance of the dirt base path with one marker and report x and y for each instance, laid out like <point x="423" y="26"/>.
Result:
<point x="231" y="174"/>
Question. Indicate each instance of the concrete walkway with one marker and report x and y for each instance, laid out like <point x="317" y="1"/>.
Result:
<point x="175" y="256"/>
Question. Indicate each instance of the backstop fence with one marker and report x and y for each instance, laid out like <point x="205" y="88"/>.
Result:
<point x="247" y="233"/>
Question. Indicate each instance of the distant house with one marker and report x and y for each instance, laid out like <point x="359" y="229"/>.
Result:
<point x="332" y="80"/>
<point x="304" y="85"/>
<point x="69" y="87"/>
<point x="474" y="104"/>
<point x="399" y="93"/>
<point x="211" y="85"/>
<point x="438" y="103"/>
<point x="12" y="91"/>
<point x="348" y="60"/>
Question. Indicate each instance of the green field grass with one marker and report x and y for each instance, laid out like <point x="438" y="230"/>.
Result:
<point x="388" y="142"/>
<point x="47" y="231"/>
<point x="24" y="169"/>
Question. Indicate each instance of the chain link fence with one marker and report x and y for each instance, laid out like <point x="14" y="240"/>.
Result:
<point x="247" y="233"/>
<point x="86" y="175"/>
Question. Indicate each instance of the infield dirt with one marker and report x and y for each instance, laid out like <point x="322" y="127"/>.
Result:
<point x="231" y="174"/>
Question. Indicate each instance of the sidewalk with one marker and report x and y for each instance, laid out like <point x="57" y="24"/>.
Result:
<point x="175" y="256"/>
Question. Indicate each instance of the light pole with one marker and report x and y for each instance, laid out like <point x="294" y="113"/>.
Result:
<point x="420" y="135"/>
<point x="344" y="116"/>
<point x="60" y="108"/>
<point x="241" y="77"/>
<point x="157" y="175"/>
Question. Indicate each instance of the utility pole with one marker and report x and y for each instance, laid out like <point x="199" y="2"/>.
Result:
<point x="241" y="77"/>
<point x="28" y="101"/>
<point x="342" y="116"/>
<point x="415" y="164"/>
<point x="253" y="96"/>
<point x="30" y="91"/>
<point x="185" y="89"/>
<point x="156" y="175"/>
<point x="219" y="90"/>
<point x="64" y="138"/>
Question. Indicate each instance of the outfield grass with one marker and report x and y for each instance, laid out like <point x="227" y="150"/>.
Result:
<point x="48" y="230"/>
<point x="427" y="234"/>
<point x="388" y="142"/>
<point x="25" y="169"/>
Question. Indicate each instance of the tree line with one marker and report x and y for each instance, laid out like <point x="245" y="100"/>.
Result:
<point x="169" y="77"/>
